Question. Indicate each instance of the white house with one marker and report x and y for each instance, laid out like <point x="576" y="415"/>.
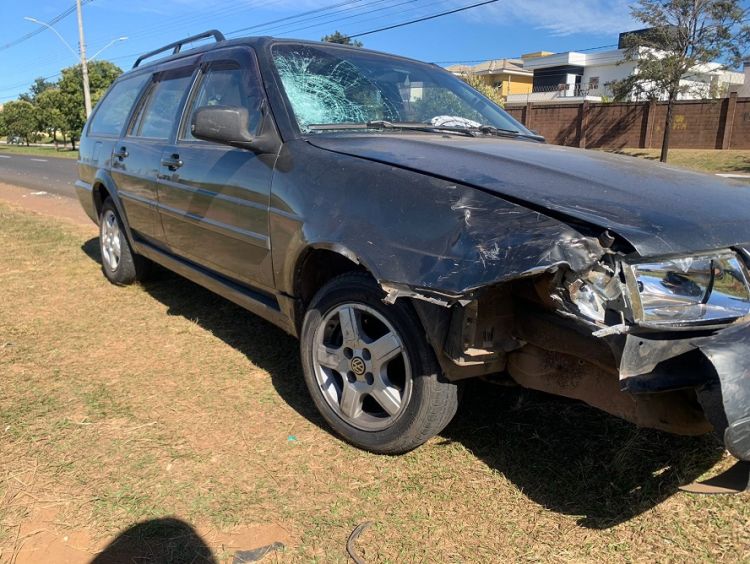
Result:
<point x="744" y="90"/>
<point x="578" y="76"/>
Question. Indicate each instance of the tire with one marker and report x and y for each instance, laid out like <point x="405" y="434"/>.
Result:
<point x="369" y="368"/>
<point x="120" y="264"/>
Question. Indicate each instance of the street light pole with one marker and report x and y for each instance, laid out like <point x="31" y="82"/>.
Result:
<point x="107" y="46"/>
<point x="84" y="63"/>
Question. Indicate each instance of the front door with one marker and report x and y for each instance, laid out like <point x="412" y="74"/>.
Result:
<point x="213" y="199"/>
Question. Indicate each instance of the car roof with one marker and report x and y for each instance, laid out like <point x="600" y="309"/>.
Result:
<point x="259" y="43"/>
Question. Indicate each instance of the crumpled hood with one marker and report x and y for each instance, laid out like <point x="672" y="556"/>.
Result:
<point x="658" y="209"/>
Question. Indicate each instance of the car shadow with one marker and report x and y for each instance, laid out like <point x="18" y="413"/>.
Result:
<point x="157" y="540"/>
<point x="574" y="459"/>
<point x="564" y="455"/>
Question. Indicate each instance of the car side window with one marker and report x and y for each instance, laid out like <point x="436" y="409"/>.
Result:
<point x="160" y="110"/>
<point x="114" y="109"/>
<point x="227" y="84"/>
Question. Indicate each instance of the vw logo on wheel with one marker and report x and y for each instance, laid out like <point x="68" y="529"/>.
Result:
<point x="358" y="366"/>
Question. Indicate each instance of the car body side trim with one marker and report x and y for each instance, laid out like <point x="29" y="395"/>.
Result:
<point x="217" y="227"/>
<point x="214" y="195"/>
<point x="286" y="214"/>
<point x="134" y="198"/>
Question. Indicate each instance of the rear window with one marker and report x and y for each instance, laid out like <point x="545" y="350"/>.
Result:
<point x="114" y="109"/>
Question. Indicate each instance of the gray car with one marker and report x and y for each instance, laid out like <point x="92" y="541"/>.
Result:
<point x="413" y="235"/>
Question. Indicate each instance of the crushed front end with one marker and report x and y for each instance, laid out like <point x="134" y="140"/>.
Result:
<point x="660" y="342"/>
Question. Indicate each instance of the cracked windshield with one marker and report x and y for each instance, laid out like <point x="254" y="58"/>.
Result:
<point x="330" y="86"/>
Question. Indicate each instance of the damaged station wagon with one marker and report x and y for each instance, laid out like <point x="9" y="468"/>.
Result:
<point x="413" y="235"/>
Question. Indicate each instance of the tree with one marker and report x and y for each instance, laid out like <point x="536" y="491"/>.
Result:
<point x="19" y="118"/>
<point x="101" y="75"/>
<point x="50" y="107"/>
<point x="681" y="35"/>
<point x="487" y="90"/>
<point x="40" y="85"/>
<point x="338" y="37"/>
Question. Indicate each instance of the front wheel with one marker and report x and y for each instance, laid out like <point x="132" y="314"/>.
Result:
<point x="369" y="368"/>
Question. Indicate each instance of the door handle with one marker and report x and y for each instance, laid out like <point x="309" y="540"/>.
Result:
<point x="172" y="163"/>
<point x="121" y="154"/>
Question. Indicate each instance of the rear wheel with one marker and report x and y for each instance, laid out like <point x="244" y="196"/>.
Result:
<point x="369" y="368"/>
<point x="121" y="265"/>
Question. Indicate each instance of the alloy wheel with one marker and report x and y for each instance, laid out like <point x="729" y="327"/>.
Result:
<point x="110" y="240"/>
<point x="362" y="367"/>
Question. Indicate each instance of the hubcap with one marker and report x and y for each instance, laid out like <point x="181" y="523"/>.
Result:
<point x="110" y="240"/>
<point x="361" y="367"/>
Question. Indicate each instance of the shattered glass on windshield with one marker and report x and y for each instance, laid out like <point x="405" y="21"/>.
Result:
<point x="330" y="86"/>
<point x="323" y="89"/>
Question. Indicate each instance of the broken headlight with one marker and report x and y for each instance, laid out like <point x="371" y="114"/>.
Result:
<point x="701" y="288"/>
<point x="593" y="292"/>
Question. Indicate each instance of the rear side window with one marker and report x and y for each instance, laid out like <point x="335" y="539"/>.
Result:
<point x="114" y="109"/>
<point x="161" y="110"/>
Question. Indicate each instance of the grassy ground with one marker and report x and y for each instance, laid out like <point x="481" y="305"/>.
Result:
<point x="120" y="405"/>
<point x="698" y="159"/>
<point x="37" y="151"/>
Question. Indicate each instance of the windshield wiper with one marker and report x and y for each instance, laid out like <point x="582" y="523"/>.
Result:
<point x="382" y="124"/>
<point x="458" y="130"/>
<point x="500" y="132"/>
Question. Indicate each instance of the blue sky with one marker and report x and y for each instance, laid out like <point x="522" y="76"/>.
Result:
<point x="506" y="28"/>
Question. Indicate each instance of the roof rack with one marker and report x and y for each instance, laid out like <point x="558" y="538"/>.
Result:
<point x="177" y="45"/>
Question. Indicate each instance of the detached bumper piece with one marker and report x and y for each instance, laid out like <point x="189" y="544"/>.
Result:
<point x="717" y="365"/>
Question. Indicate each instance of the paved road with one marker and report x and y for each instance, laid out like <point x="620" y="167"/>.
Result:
<point x="54" y="175"/>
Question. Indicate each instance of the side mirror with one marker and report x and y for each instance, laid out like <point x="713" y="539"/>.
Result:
<point x="222" y="124"/>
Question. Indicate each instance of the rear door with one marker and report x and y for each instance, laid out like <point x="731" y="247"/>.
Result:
<point x="104" y="133"/>
<point x="214" y="198"/>
<point x="136" y="158"/>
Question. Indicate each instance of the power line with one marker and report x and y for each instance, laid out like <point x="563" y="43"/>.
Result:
<point x="263" y="27"/>
<point x="180" y="22"/>
<point x="298" y="19"/>
<point x="381" y="9"/>
<point x="424" y="19"/>
<point x="29" y="82"/>
<point x="301" y="15"/>
<point x="59" y="17"/>
<point x="289" y="26"/>
<point x="288" y="22"/>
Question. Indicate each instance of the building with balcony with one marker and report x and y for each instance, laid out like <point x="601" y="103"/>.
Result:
<point x="579" y="76"/>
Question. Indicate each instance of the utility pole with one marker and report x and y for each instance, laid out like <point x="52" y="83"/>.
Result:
<point x="84" y="64"/>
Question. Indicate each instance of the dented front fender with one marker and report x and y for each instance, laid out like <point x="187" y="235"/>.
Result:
<point x="411" y="230"/>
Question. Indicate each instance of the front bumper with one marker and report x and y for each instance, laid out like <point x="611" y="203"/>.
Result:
<point x="717" y="366"/>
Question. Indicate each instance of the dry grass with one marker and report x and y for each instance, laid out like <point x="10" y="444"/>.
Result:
<point x="702" y="160"/>
<point x="126" y="404"/>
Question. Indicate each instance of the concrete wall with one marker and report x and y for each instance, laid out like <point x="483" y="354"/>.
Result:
<point x="708" y="124"/>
